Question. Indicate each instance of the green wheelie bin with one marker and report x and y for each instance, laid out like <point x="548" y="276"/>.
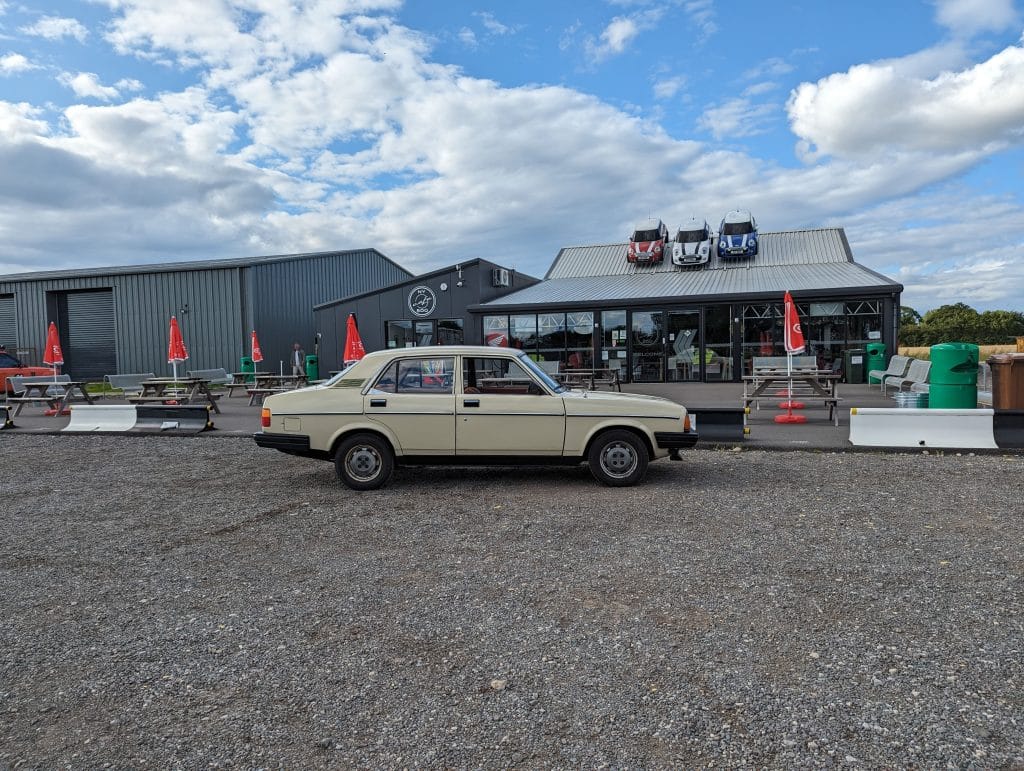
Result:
<point x="953" y="376"/>
<point x="876" y="359"/>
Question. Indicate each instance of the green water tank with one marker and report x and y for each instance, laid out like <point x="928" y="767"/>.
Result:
<point x="876" y="359"/>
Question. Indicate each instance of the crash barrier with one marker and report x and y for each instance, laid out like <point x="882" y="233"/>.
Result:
<point x="883" y="427"/>
<point x="718" y="423"/>
<point x="101" y="417"/>
<point x="5" y="417"/>
<point x="141" y="419"/>
<point x="1008" y="428"/>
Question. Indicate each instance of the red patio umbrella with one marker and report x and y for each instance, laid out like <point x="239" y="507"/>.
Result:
<point x="176" y="352"/>
<point x="793" y="340"/>
<point x="257" y="353"/>
<point x="53" y="356"/>
<point x="354" y="350"/>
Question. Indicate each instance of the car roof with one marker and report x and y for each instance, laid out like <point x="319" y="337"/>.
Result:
<point x="694" y="223"/>
<point x="652" y="223"/>
<point x="443" y="350"/>
<point x="738" y="215"/>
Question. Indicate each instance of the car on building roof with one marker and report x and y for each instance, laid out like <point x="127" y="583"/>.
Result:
<point x="692" y="243"/>
<point x="737" y="235"/>
<point x="647" y="241"/>
<point x="12" y="367"/>
<point x="463" y="405"/>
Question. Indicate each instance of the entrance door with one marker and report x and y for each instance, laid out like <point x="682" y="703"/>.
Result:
<point x="684" y="345"/>
<point x="648" y="339"/>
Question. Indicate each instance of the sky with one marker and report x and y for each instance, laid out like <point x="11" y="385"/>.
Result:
<point x="147" y="131"/>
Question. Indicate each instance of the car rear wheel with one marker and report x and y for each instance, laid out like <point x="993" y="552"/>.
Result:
<point x="618" y="458"/>
<point x="364" y="462"/>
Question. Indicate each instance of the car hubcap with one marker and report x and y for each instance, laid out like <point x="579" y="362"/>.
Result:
<point x="618" y="459"/>
<point x="363" y="462"/>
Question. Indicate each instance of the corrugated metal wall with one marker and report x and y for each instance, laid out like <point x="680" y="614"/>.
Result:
<point x="284" y="294"/>
<point x="8" y="322"/>
<point x="216" y="306"/>
<point x="89" y="330"/>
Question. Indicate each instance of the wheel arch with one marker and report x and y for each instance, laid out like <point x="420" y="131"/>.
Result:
<point x="605" y="428"/>
<point x="341" y="436"/>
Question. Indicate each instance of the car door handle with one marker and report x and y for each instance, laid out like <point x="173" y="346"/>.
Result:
<point x="378" y="402"/>
<point x="470" y="402"/>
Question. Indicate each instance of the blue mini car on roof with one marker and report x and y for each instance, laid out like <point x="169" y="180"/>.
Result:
<point x="737" y="235"/>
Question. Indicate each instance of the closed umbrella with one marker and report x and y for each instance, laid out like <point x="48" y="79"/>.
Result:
<point x="176" y="352"/>
<point x="257" y="354"/>
<point x="793" y="340"/>
<point x="354" y="350"/>
<point x="53" y="355"/>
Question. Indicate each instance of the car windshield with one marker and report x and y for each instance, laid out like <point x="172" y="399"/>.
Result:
<point x="689" y="236"/>
<point x="736" y="228"/>
<point x="6" y="360"/>
<point x="531" y="366"/>
<point x="339" y="375"/>
<point x="646" y="235"/>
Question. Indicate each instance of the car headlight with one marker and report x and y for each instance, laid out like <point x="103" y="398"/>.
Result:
<point x="752" y="243"/>
<point x="723" y="244"/>
<point x="703" y="251"/>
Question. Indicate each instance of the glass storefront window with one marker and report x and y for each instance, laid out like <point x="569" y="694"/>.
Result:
<point x="496" y="330"/>
<point x="579" y="340"/>
<point x="647" y="338"/>
<point x="864" y="321"/>
<point x="684" y="349"/>
<point x="450" y="332"/>
<point x="400" y="334"/>
<point x="523" y="334"/>
<point x="718" y="342"/>
<point x="613" y="342"/>
<point x="551" y="336"/>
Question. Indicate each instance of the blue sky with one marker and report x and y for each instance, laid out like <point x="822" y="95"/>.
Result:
<point x="138" y="131"/>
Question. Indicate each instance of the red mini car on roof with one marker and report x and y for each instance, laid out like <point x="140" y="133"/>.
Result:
<point x="647" y="242"/>
<point x="11" y="367"/>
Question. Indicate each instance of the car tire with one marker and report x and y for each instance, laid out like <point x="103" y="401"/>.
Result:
<point x="364" y="462"/>
<point x="618" y="458"/>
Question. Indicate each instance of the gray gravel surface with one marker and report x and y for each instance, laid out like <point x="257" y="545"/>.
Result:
<point x="199" y="602"/>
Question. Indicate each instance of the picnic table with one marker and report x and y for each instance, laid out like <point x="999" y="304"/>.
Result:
<point x="805" y="385"/>
<point x="55" y="396"/>
<point x="183" y="390"/>
<point x="590" y="378"/>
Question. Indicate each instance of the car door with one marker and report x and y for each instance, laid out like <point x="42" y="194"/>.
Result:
<point x="504" y="410"/>
<point x="414" y="397"/>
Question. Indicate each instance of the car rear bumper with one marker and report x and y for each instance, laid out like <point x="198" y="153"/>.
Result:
<point x="675" y="440"/>
<point x="294" y="444"/>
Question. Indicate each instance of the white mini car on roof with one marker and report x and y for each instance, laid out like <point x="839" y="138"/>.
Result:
<point x="466" y="405"/>
<point x="737" y="235"/>
<point x="692" y="243"/>
<point x="648" y="241"/>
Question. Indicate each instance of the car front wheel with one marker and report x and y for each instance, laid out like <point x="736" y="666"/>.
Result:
<point x="618" y="458"/>
<point x="364" y="462"/>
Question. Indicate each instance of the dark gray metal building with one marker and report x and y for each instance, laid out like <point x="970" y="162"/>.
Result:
<point x="116" y="319"/>
<point x="430" y="309"/>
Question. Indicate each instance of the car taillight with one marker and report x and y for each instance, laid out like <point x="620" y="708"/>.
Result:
<point x="265" y="418"/>
<point x="686" y="424"/>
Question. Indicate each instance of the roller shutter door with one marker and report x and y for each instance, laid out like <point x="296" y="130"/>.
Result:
<point x="91" y="351"/>
<point x="8" y="322"/>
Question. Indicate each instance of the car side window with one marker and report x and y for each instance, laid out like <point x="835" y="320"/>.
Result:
<point x="496" y="376"/>
<point x="424" y="376"/>
<point x="387" y="380"/>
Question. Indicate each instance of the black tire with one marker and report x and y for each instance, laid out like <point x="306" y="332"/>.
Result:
<point x="618" y="458"/>
<point x="364" y="462"/>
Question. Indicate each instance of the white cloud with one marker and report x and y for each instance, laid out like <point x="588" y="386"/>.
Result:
<point x="968" y="17"/>
<point x="872" y="109"/>
<point x="21" y="121"/>
<point x="666" y="88"/>
<point x="56" y="28"/>
<point x="738" y="117"/>
<point x="769" y="68"/>
<point x="87" y="85"/>
<point x="620" y="33"/>
<point x="12" y="64"/>
<point x="703" y="13"/>
<point x="495" y="27"/>
<point x="468" y="37"/>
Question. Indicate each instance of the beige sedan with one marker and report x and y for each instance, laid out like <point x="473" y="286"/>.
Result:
<point x="466" y="405"/>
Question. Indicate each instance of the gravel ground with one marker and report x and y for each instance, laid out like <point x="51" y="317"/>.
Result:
<point x="201" y="602"/>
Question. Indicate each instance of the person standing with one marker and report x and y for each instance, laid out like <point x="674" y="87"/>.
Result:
<point x="298" y="360"/>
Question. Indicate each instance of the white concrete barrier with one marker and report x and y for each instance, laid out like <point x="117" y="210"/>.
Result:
<point x="101" y="417"/>
<point x="883" y="427"/>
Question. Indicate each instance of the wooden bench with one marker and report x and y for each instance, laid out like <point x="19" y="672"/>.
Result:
<point x="16" y="393"/>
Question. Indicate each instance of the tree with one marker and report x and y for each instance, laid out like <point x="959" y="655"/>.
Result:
<point x="908" y="316"/>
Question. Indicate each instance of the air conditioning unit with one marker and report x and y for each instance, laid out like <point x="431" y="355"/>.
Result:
<point x="500" y="277"/>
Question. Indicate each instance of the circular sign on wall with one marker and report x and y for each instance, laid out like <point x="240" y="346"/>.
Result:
<point x="422" y="301"/>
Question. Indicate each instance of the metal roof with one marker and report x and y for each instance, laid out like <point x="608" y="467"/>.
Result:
<point x="799" y="261"/>
<point x="164" y="267"/>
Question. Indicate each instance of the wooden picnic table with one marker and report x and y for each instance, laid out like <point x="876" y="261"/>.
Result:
<point x="183" y="390"/>
<point x="817" y="385"/>
<point x="270" y="380"/>
<point x="590" y="377"/>
<point x="63" y="393"/>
